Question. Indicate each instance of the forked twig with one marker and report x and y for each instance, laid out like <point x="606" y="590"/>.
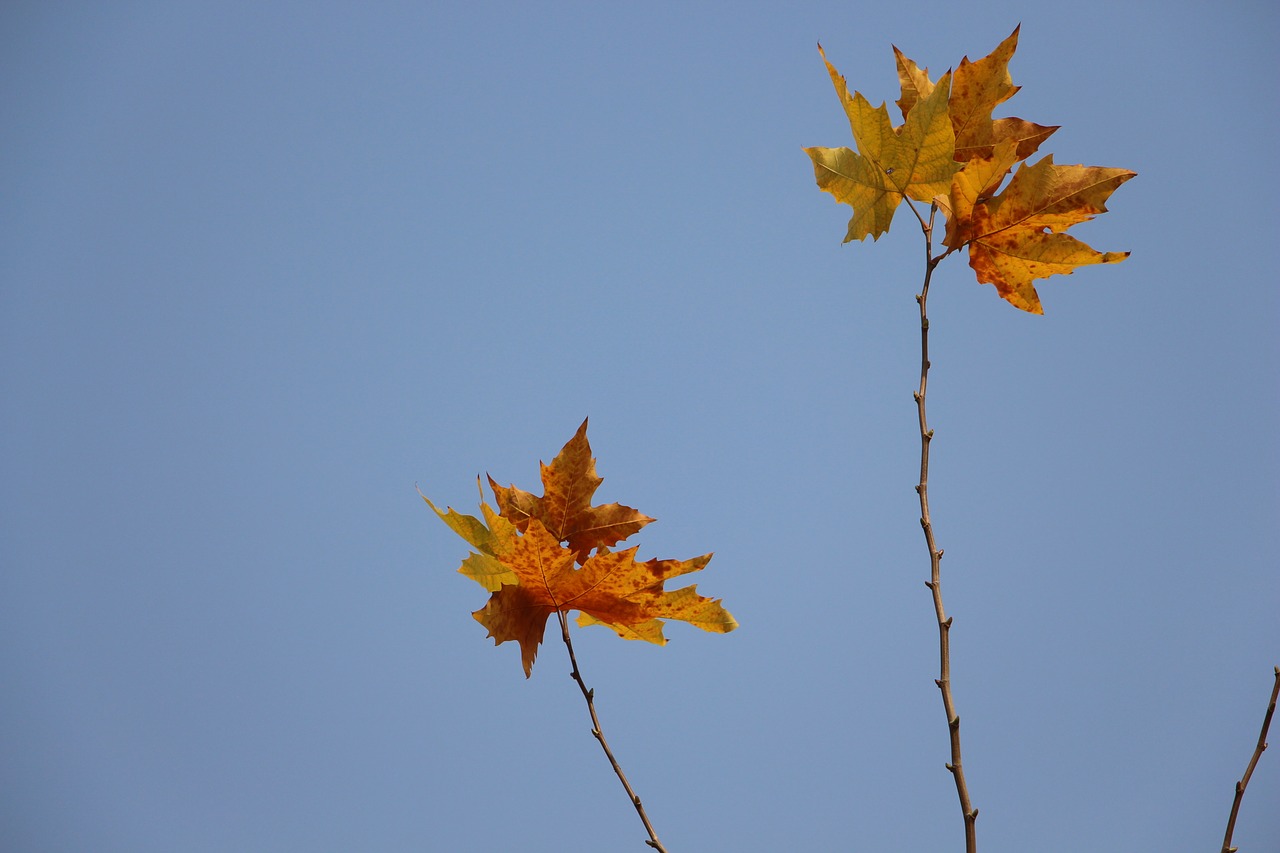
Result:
<point x="1253" y="762"/>
<point x="590" y="696"/>
<point x="935" y="553"/>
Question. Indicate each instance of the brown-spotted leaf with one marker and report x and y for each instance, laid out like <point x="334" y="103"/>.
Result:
<point x="612" y="588"/>
<point x="916" y="160"/>
<point x="979" y="87"/>
<point x="565" y="506"/>
<point x="1017" y="236"/>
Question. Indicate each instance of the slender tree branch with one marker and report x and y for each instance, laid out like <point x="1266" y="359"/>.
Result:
<point x="590" y="696"/>
<point x="935" y="553"/>
<point x="1253" y="762"/>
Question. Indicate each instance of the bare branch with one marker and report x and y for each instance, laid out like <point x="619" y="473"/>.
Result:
<point x="598" y="734"/>
<point x="1253" y="762"/>
<point x="935" y="553"/>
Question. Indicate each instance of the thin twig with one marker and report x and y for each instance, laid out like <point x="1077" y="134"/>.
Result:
<point x="1253" y="762"/>
<point x="935" y="553"/>
<point x="590" y="696"/>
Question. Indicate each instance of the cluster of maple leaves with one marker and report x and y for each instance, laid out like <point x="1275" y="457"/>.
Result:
<point x="951" y="153"/>
<point x="549" y="554"/>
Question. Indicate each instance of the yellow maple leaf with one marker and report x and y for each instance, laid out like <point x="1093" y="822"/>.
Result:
<point x="916" y="160"/>
<point x="1017" y="236"/>
<point x="491" y="537"/>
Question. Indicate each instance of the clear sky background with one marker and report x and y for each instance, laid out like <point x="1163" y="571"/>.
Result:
<point x="266" y="266"/>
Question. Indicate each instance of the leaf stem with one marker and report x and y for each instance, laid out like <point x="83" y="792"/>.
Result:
<point x="1253" y="762"/>
<point x="598" y="733"/>
<point x="935" y="553"/>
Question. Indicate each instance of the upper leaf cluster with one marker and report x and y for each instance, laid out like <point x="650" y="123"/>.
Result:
<point x="950" y="152"/>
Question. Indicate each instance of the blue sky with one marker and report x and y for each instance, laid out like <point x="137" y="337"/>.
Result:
<point x="266" y="267"/>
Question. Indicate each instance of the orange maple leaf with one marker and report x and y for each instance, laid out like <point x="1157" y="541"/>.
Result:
<point x="611" y="588"/>
<point x="565" y="508"/>
<point x="1016" y="237"/>
<point x="535" y="558"/>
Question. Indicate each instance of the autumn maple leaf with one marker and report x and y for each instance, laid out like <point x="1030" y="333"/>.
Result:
<point x="916" y="160"/>
<point x="1016" y="237"/>
<point x="978" y="88"/>
<point x="535" y="557"/>
<point x="565" y="508"/>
